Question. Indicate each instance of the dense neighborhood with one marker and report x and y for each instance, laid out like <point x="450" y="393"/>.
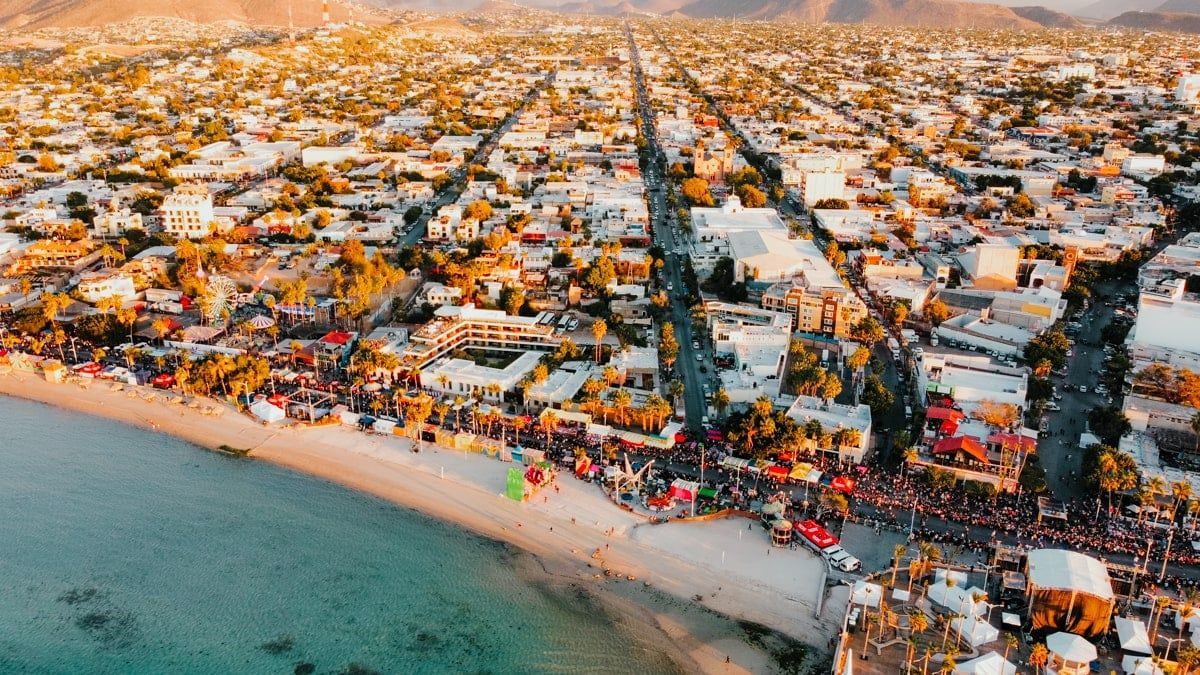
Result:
<point x="975" y="265"/>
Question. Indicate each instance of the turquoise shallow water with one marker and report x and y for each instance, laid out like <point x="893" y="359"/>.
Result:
<point x="123" y="551"/>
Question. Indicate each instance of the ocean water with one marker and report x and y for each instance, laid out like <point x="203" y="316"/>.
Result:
<point x="124" y="551"/>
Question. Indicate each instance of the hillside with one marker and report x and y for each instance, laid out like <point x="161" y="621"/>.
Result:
<point x="1048" y="17"/>
<point x="72" y="13"/>
<point x="931" y="13"/>
<point x="1107" y="9"/>
<point x="1165" y="21"/>
<point x="1180" y="6"/>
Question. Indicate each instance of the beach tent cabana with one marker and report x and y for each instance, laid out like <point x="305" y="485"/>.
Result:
<point x="975" y="631"/>
<point x="1069" y="592"/>
<point x="866" y="593"/>
<point x="1131" y="633"/>
<point x="1140" y="665"/>
<point x="991" y="663"/>
<point x="954" y="599"/>
<point x="942" y="574"/>
<point x="263" y="410"/>
<point x="1070" y="652"/>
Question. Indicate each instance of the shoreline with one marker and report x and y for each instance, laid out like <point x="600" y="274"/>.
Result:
<point x="699" y="609"/>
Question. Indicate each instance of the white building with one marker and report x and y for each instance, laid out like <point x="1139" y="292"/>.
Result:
<point x="188" y="212"/>
<point x="449" y="224"/>
<point x="112" y="224"/>
<point x="462" y="377"/>
<point x="95" y="286"/>
<point x="971" y="379"/>
<point x="1141" y="165"/>
<point x="834" y="416"/>
<point x="820" y="185"/>
<point x="1168" y="317"/>
<point x="1187" y="91"/>
<point x="998" y="261"/>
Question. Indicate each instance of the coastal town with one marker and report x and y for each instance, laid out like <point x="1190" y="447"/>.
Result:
<point x="886" y="349"/>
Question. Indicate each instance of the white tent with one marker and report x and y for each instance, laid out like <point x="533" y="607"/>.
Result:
<point x="1074" y="649"/>
<point x="265" y="411"/>
<point x="991" y="663"/>
<point x="942" y="574"/>
<point x="866" y="593"/>
<point x="976" y="631"/>
<point x="1133" y="637"/>
<point x="1140" y="665"/>
<point x="955" y="599"/>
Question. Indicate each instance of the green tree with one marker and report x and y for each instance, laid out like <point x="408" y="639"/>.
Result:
<point x="867" y="331"/>
<point x="695" y="190"/>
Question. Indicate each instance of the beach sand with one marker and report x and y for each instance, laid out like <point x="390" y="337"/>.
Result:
<point x="696" y="583"/>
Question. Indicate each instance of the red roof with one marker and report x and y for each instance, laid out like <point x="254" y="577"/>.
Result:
<point x="967" y="444"/>
<point x="1013" y="441"/>
<point x="337" y="337"/>
<point x="939" y="413"/>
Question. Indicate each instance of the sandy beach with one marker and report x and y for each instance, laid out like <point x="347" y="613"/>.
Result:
<point x="691" y="581"/>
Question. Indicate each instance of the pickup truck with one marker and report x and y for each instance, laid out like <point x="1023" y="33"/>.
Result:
<point x="839" y="559"/>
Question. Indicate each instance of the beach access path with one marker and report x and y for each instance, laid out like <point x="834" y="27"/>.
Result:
<point x="726" y="566"/>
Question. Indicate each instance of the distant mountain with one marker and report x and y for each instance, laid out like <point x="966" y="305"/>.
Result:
<point x="1107" y="9"/>
<point x="1048" y="17"/>
<point x="1180" y="6"/>
<point x="31" y="14"/>
<point x="931" y="13"/>
<point x="1164" y="21"/>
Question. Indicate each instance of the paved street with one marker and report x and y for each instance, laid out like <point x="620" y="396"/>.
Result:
<point x="459" y="175"/>
<point x="686" y="366"/>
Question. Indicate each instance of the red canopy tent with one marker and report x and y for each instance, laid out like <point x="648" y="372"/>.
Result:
<point x="777" y="472"/>
<point x="843" y="484"/>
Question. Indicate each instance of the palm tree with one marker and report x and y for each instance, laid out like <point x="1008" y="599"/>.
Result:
<point x="441" y="410"/>
<point x="52" y="305"/>
<point x="621" y="400"/>
<point x="599" y="329"/>
<point x="459" y="401"/>
<point x="1181" y="491"/>
<point x="161" y="326"/>
<point x="1010" y="643"/>
<point x="898" y="553"/>
<point x="721" y="401"/>
<point x="518" y="424"/>
<point x="1188" y="657"/>
<point x="675" y="389"/>
<point x="910" y="646"/>
<point x="1039" y="656"/>
<point x="549" y="423"/>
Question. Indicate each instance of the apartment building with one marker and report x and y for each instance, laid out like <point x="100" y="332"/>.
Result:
<point x="73" y="255"/>
<point x="188" y="212"/>
<point x="95" y="286"/>
<point x="815" y="308"/>
<point x="468" y="327"/>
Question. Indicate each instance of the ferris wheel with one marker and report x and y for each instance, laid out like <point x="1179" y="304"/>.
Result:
<point x="220" y="297"/>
